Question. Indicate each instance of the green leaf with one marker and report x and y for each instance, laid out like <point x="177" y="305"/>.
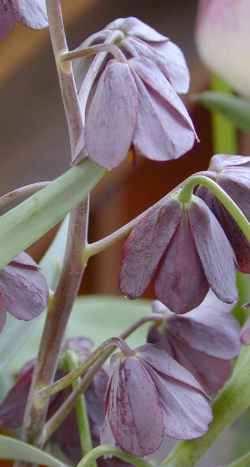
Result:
<point x="26" y="223"/>
<point x="98" y="317"/>
<point x="230" y="404"/>
<point x="236" y="109"/>
<point x="14" y="449"/>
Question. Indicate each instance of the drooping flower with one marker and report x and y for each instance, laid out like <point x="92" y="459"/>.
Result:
<point x="150" y="396"/>
<point x="32" y="13"/>
<point x="184" y="251"/>
<point x="132" y="101"/>
<point x="223" y="25"/>
<point x="204" y="341"/>
<point x="23" y="289"/>
<point x="232" y="173"/>
<point x="67" y="436"/>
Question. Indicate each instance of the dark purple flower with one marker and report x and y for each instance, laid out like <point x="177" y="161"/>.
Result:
<point x="184" y="251"/>
<point x="67" y="436"/>
<point x="150" y="396"/>
<point x="23" y="289"/>
<point x="232" y="173"/>
<point x="204" y="341"/>
<point x="31" y="13"/>
<point x="132" y="101"/>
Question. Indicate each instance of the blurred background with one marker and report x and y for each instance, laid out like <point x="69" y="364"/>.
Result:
<point x="34" y="140"/>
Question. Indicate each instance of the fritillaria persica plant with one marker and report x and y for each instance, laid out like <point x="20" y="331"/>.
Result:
<point x="72" y="403"/>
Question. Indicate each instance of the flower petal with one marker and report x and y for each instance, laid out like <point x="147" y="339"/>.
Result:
<point x="181" y="262"/>
<point x="25" y="291"/>
<point x="7" y="18"/>
<point x="175" y="67"/>
<point x="210" y="328"/>
<point x="135" y="416"/>
<point x="211" y="372"/>
<point x="145" y="246"/>
<point x="111" y="117"/>
<point x="164" y="129"/>
<point x="166" y="55"/>
<point x="32" y="13"/>
<point x="25" y="261"/>
<point x="219" y="162"/>
<point x="187" y="412"/>
<point x="134" y="27"/>
<point x="13" y="406"/>
<point x="166" y="366"/>
<point x="214" y="250"/>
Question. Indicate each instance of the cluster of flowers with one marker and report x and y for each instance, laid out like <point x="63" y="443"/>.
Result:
<point x="191" y="251"/>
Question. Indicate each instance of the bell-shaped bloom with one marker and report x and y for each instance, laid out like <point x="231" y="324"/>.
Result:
<point x="67" y="436"/>
<point x="184" y="251"/>
<point x="23" y="289"/>
<point x="232" y="173"/>
<point x="32" y="13"/>
<point x="132" y="102"/>
<point x="204" y="341"/>
<point x="223" y="26"/>
<point x="150" y="396"/>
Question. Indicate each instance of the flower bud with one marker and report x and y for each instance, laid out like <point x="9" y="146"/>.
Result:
<point x="223" y="37"/>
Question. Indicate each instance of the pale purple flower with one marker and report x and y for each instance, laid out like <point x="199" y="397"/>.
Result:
<point x="23" y="289"/>
<point x="184" y="251"/>
<point x="223" y="26"/>
<point x="204" y="341"/>
<point x="150" y="396"/>
<point x="232" y="173"/>
<point x="132" y="101"/>
<point x="31" y="13"/>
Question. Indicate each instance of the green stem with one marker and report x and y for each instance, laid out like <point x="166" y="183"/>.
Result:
<point x="106" y="242"/>
<point x="104" y="349"/>
<point x="72" y="362"/>
<point x="26" y="223"/>
<point x="106" y="450"/>
<point x="230" y="404"/>
<point x="186" y="194"/>
<point x="224" y="134"/>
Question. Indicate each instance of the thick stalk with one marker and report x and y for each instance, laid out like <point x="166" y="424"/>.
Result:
<point x="55" y="325"/>
<point x="65" y="75"/>
<point x="74" y="261"/>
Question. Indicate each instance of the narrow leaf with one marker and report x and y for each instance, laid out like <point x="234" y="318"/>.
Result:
<point x="14" y="449"/>
<point x="39" y="213"/>
<point x="236" y="109"/>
